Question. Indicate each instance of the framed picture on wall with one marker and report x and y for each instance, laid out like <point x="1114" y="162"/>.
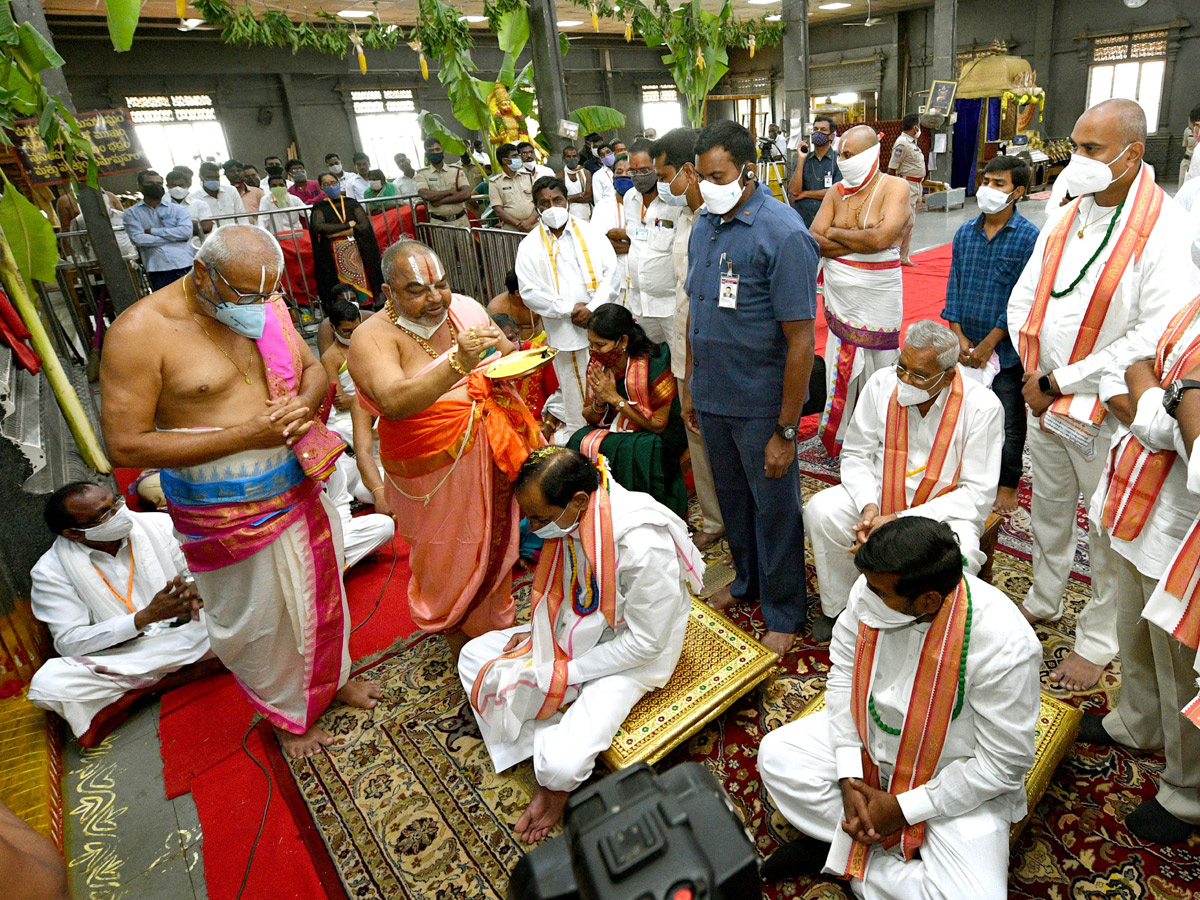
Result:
<point x="941" y="98"/>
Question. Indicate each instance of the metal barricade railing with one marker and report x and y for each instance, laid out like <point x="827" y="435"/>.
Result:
<point x="455" y="246"/>
<point x="498" y="250"/>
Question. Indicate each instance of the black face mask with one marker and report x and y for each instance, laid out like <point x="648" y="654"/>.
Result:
<point x="274" y="170"/>
<point x="646" y="184"/>
<point x="435" y="159"/>
<point x="153" y="191"/>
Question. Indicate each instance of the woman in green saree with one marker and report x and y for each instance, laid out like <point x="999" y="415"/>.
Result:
<point x="632" y="409"/>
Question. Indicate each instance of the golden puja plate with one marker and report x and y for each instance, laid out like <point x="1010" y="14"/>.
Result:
<point x="520" y="363"/>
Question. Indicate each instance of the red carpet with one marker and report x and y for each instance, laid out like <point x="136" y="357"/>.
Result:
<point x="201" y="729"/>
<point x="924" y="290"/>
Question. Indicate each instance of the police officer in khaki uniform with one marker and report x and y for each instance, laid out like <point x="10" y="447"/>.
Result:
<point x="908" y="162"/>
<point x="445" y="189"/>
<point x="511" y="192"/>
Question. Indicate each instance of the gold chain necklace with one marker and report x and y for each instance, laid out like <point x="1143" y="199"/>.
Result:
<point x="244" y="373"/>
<point x="1089" y="222"/>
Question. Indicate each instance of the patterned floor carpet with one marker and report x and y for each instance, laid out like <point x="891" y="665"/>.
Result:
<point x="410" y="808"/>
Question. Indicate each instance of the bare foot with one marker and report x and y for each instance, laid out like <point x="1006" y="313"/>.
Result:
<point x="907" y="262"/>
<point x="721" y="600"/>
<point x="1076" y="673"/>
<point x="302" y="746"/>
<point x="457" y="640"/>
<point x="1006" y="501"/>
<point x="703" y="539"/>
<point x="360" y="693"/>
<point x="542" y="814"/>
<point x="778" y="641"/>
<point x="1029" y="617"/>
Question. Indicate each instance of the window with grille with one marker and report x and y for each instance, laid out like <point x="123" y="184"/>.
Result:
<point x="387" y="124"/>
<point x="178" y="130"/>
<point x="660" y="107"/>
<point x="1132" y="67"/>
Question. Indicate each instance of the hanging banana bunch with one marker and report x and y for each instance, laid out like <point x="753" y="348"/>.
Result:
<point x="699" y="59"/>
<point x="628" y="25"/>
<point x="753" y="42"/>
<point x="181" y="8"/>
<point x="358" y="46"/>
<point x="420" y="50"/>
<point x="595" y="16"/>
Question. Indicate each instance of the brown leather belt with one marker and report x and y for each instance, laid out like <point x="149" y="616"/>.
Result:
<point x="447" y="218"/>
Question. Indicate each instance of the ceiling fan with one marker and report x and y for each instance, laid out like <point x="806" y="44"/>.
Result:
<point x="869" y="21"/>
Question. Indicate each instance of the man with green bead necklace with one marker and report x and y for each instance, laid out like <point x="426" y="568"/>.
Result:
<point x="1117" y="257"/>
<point x="927" y="732"/>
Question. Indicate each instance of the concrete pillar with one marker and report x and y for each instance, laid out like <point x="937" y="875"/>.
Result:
<point x="116" y="272"/>
<point x="795" y="61"/>
<point x="549" y="81"/>
<point x="1043" y="42"/>
<point x="945" y="62"/>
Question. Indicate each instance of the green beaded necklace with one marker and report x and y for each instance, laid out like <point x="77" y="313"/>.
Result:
<point x="1104" y="243"/>
<point x="962" y="677"/>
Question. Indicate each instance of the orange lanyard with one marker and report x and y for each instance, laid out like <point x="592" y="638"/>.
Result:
<point x="128" y="598"/>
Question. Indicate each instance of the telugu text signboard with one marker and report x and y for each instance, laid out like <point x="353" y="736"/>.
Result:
<point x="113" y="140"/>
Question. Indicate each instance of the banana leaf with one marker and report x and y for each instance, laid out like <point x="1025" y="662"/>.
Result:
<point x="30" y="237"/>
<point x="123" y="18"/>
<point x="432" y="126"/>
<point x="597" y="118"/>
<point x="512" y="36"/>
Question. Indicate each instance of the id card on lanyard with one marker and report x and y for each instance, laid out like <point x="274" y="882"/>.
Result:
<point x="728" y="291"/>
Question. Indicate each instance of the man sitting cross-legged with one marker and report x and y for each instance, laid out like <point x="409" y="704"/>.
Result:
<point x="610" y="610"/>
<point x="927" y="732"/>
<point x="924" y="441"/>
<point x="115" y="592"/>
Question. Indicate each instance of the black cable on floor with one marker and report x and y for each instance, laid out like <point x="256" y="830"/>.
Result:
<point x="266" y="806"/>
<point x="379" y="599"/>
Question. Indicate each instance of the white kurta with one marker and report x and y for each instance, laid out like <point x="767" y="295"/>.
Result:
<point x="652" y="281"/>
<point x="1154" y="285"/>
<point x="551" y="289"/>
<point x="1187" y="198"/>
<point x="610" y="669"/>
<point x="102" y="654"/>
<point x="978" y="789"/>
<point x="227" y="202"/>
<point x="830" y="515"/>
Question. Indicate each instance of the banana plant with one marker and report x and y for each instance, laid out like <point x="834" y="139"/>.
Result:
<point x="698" y="58"/>
<point x="28" y="246"/>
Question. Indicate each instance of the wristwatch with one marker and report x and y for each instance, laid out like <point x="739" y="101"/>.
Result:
<point x="1046" y="386"/>
<point x="787" y="432"/>
<point x="1174" y="394"/>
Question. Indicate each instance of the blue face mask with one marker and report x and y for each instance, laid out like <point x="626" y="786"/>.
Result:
<point x="248" y="320"/>
<point x="333" y="191"/>
<point x="623" y="183"/>
<point x="665" y="195"/>
<point x="212" y="185"/>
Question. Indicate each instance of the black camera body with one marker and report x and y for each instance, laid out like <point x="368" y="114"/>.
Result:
<point x="641" y="836"/>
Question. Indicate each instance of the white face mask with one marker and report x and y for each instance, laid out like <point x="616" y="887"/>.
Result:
<point x="877" y="614"/>
<point x="377" y="185"/>
<point x="345" y="341"/>
<point x="336" y="169"/>
<point x="117" y="527"/>
<point x="552" y="530"/>
<point x="177" y="193"/>
<point x="721" y="198"/>
<point x="425" y="331"/>
<point x="530" y="165"/>
<point x="910" y="395"/>
<point x="555" y="216"/>
<point x="860" y="167"/>
<point x="1089" y="176"/>
<point x="991" y="200"/>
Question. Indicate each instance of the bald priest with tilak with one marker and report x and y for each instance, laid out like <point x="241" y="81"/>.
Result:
<point x="1117" y="258"/>
<point x="909" y="780"/>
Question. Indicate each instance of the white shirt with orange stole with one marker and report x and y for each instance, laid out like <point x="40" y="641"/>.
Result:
<point x="605" y="666"/>
<point x="88" y="600"/>
<point x="960" y="494"/>
<point x="976" y="789"/>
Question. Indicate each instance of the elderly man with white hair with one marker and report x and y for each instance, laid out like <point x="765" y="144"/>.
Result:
<point x="924" y="441"/>
<point x="207" y="380"/>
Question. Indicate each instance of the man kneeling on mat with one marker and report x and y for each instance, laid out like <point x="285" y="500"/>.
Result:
<point x="558" y="689"/>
